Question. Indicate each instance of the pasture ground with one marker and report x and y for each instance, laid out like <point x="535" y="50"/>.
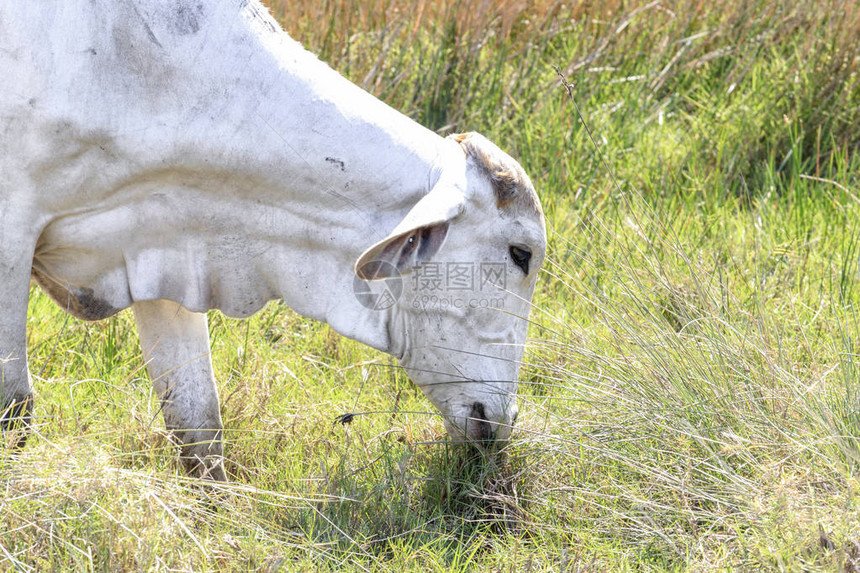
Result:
<point x="691" y="398"/>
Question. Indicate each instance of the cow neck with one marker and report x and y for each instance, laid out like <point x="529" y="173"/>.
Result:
<point x="344" y="170"/>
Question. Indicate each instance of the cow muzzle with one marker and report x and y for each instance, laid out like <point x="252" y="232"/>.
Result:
<point x="479" y="427"/>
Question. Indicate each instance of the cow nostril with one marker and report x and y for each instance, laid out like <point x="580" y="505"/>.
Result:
<point x="478" y="411"/>
<point x="481" y="429"/>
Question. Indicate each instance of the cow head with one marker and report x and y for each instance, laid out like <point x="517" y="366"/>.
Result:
<point x="466" y="257"/>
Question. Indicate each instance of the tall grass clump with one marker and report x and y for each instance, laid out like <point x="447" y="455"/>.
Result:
<point x="689" y="395"/>
<point x="704" y="91"/>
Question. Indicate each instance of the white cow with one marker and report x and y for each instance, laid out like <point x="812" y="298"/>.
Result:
<point x="178" y="156"/>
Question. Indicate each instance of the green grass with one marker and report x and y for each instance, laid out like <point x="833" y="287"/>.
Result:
<point x="691" y="399"/>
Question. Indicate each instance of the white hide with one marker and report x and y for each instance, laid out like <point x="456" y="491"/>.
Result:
<point x="193" y="152"/>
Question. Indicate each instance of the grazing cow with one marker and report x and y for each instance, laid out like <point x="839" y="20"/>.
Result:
<point x="178" y="156"/>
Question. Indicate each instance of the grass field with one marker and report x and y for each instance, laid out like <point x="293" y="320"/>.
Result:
<point x="691" y="394"/>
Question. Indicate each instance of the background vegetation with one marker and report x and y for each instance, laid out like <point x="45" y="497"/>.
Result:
<point x="691" y="398"/>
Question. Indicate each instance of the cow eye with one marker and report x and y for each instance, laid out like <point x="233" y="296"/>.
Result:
<point x="521" y="257"/>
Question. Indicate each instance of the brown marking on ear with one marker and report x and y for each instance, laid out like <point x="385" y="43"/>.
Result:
<point x="512" y="187"/>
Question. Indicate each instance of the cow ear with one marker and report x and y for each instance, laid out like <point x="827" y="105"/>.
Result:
<point x="399" y="254"/>
<point x="417" y="238"/>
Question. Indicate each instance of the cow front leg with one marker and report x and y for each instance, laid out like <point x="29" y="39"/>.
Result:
<point x="175" y="344"/>
<point x="16" y="393"/>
